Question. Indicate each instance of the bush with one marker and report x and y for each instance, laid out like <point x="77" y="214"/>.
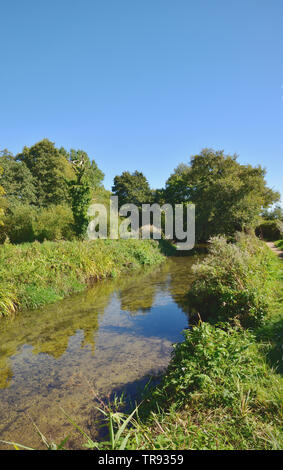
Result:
<point x="26" y="223"/>
<point x="210" y="363"/>
<point x="270" y="230"/>
<point x="18" y="224"/>
<point x="53" y="223"/>
<point x="233" y="281"/>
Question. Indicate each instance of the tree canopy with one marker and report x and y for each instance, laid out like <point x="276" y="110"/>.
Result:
<point x="50" y="169"/>
<point x="228" y="196"/>
<point x="44" y="185"/>
<point x="17" y="180"/>
<point x="132" y="188"/>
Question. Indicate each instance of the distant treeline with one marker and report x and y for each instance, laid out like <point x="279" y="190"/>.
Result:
<point x="45" y="192"/>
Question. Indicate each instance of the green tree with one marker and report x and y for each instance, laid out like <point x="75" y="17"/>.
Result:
<point x="50" y="170"/>
<point x="17" y="180"/>
<point x="132" y="188"/>
<point x="228" y="196"/>
<point x="274" y="214"/>
<point x="80" y="195"/>
<point x="93" y="174"/>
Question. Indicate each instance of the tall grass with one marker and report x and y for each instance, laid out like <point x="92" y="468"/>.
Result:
<point x="234" y="281"/>
<point x="34" y="274"/>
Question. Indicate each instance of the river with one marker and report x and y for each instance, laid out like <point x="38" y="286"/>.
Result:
<point x="110" y="338"/>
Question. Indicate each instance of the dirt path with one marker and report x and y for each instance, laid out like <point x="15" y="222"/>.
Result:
<point x="276" y="250"/>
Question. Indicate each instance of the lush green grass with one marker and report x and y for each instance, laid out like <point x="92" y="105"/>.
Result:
<point x="224" y="387"/>
<point x="218" y="393"/>
<point x="34" y="274"/>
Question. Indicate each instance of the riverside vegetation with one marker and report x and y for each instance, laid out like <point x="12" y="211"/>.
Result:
<point x="34" y="274"/>
<point x="223" y="387"/>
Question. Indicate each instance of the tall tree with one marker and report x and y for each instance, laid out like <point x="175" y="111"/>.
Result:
<point x="228" y="196"/>
<point x="50" y="170"/>
<point x="16" y="180"/>
<point x="132" y="188"/>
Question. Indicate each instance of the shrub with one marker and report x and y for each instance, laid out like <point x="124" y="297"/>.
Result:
<point x="270" y="230"/>
<point x="53" y="223"/>
<point x="233" y="281"/>
<point x="18" y="224"/>
<point x="210" y="363"/>
<point x="26" y="223"/>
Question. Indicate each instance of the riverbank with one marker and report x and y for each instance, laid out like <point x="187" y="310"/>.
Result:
<point x="223" y="388"/>
<point x="36" y="274"/>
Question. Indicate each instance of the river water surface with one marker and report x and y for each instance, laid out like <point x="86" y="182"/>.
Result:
<point x="108" y="339"/>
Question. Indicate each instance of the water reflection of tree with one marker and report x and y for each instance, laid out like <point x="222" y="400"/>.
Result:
<point x="181" y="277"/>
<point x="49" y="329"/>
<point x="138" y="296"/>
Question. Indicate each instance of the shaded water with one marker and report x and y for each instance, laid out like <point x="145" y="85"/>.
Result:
<point x="109" y="338"/>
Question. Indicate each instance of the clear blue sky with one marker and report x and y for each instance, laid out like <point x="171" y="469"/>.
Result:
<point x="144" y="84"/>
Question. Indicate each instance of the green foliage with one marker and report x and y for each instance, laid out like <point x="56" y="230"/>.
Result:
<point x="80" y="195"/>
<point x="17" y="180"/>
<point x="40" y="183"/>
<point x="49" y="169"/>
<point x="2" y="192"/>
<point x="132" y="188"/>
<point x="279" y="244"/>
<point x="7" y="299"/>
<point x="53" y="223"/>
<point x="218" y="393"/>
<point x="93" y="175"/>
<point x="40" y="174"/>
<point x="274" y="214"/>
<point x="23" y="223"/>
<point x="228" y="196"/>
<point x="270" y="230"/>
<point x="18" y="224"/>
<point x="34" y="274"/>
<point x="210" y="364"/>
<point x="233" y="281"/>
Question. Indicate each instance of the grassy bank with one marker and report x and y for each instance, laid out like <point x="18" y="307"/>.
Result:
<point x="223" y="387"/>
<point x="34" y="274"/>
